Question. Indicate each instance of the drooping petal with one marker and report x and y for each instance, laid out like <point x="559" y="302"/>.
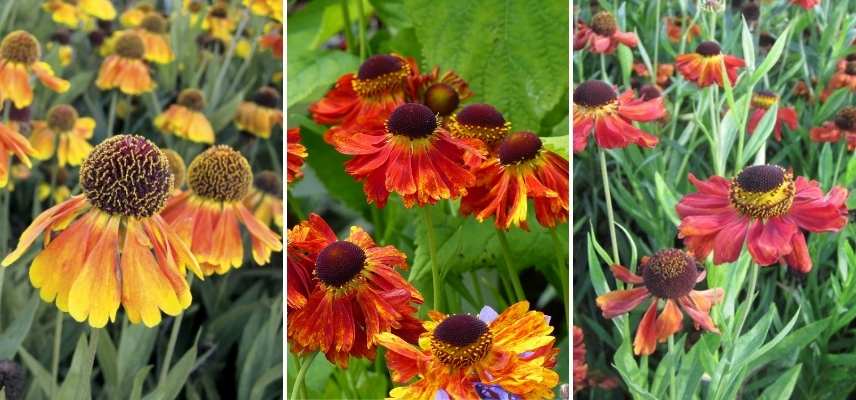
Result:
<point x="646" y="334"/>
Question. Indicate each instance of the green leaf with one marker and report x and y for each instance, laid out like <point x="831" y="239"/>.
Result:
<point x="264" y="380"/>
<point x="79" y="83"/>
<point x="11" y="339"/>
<point x="135" y="347"/>
<point x="76" y="383"/>
<point x="518" y="62"/>
<point x="263" y="351"/>
<point x="798" y="339"/>
<point x="319" y="20"/>
<point x="42" y="376"/>
<point x="225" y="113"/>
<point x="625" y="60"/>
<point x="107" y="356"/>
<point x="315" y="71"/>
<point x="667" y="199"/>
<point x="748" y="46"/>
<point x="761" y="134"/>
<point x="772" y="56"/>
<point x="139" y="379"/>
<point x="177" y="376"/>
<point x="824" y="167"/>
<point x="783" y="386"/>
<point x="558" y="144"/>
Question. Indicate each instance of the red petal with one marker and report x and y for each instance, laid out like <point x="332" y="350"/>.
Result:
<point x="646" y="334"/>
<point x="618" y="302"/>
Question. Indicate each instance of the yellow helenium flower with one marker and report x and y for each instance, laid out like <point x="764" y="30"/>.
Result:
<point x="185" y="118"/>
<point x="19" y="55"/>
<point x="267" y="8"/>
<point x="260" y="115"/>
<point x="72" y="12"/>
<point x="125" y="70"/>
<point x="12" y="142"/>
<point x="265" y="198"/>
<point x="153" y="31"/>
<point x="133" y="16"/>
<point x="219" y="23"/>
<point x="72" y="133"/>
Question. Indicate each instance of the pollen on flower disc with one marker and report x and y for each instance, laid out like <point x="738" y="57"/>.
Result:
<point x="670" y="274"/>
<point x="176" y="166"/>
<point x="20" y="47"/>
<point x="220" y="173"/>
<point x="413" y="120"/>
<point x="339" y="262"/>
<point x="603" y="23"/>
<point x="649" y="92"/>
<point x="709" y="48"/>
<point x="594" y="93"/>
<point x="126" y="175"/>
<point x="267" y="97"/>
<point x="482" y="115"/>
<point x="130" y="45"/>
<point x="378" y="65"/>
<point x="846" y="118"/>
<point x="193" y="99"/>
<point x="761" y="178"/>
<point x="154" y="23"/>
<point x="62" y="117"/>
<point x="460" y="330"/>
<point x="268" y="182"/>
<point x="441" y="98"/>
<point x="518" y="147"/>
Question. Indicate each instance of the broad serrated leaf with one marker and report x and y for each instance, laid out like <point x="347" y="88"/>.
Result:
<point x="315" y="71"/>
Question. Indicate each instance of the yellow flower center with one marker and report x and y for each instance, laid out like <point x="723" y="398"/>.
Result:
<point x="519" y="147"/>
<point x="154" y="23"/>
<point x="442" y="99"/>
<point x="461" y="340"/>
<point x="480" y="121"/>
<point x="220" y="173"/>
<point x="20" y="47"/>
<point x="126" y="175"/>
<point x="846" y="118"/>
<point x="380" y="74"/>
<point x="762" y="191"/>
<point x="413" y="120"/>
<point x="268" y="182"/>
<point x="193" y="99"/>
<point x="176" y="166"/>
<point x="764" y="99"/>
<point x="338" y="263"/>
<point x="603" y="23"/>
<point x="61" y="118"/>
<point x="130" y="45"/>
<point x="670" y="274"/>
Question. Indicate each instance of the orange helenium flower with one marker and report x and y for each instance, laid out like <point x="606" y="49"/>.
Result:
<point x="761" y="101"/>
<point x="806" y="4"/>
<point x="704" y="67"/>
<point x="134" y="16"/>
<point x="126" y="69"/>
<point x="19" y="55"/>
<point x="261" y="114"/>
<point x="522" y="169"/>
<point x="603" y="35"/>
<point x="675" y="29"/>
<point x="272" y="41"/>
<point x="185" y="119"/>
<point x="207" y="216"/>
<point x="109" y="246"/>
<point x="664" y="73"/>
<point x="598" y="108"/>
<point x="219" y="23"/>
<point x="12" y="142"/>
<point x="468" y="357"/>
<point x="155" y="35"/>
<point x="670" y="275"/>
<point x="73" y="13"/>
<point x="411" y="155"/>
<point x="64" y="132"/>
<point x="295" y="155"/>
<point x="480" y="126"/>
<point x="842" y="127"/>
<point x="265" y="199"/>
<point x="341" y="293"/>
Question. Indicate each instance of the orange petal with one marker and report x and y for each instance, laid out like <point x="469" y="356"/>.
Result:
<point x="669" y="322"/>
<point x="646" y="334"/>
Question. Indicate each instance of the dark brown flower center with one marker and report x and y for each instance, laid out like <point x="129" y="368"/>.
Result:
<point x="850" y="68"/>
<point x="594" y="93"/>
<point x="670" y="274"/>
<point x="708" y="49"/>
<point x="762" y="191"/>
<point x="482" y="115"/>
<point x="846" y="118"/>
<point x="851" y="57"/>
<point x="267" y="97"/>
<point x="442" y="98"/>
<point x="61" y="36"/>
<point x="127" y="175"/>
<point x="649" y="92"/>
<point x="519" y="147"/>
<point x="221" y="174"/>
<point x="379" y="65"/>
<point x="268" y="182"/>
<point x="129" y="45"/>
<point x="413" y="120"/>
<point x="193" y="99"/>
<point x="218" y="11"/>
<point x="176" y="166"/>
<point x="62" y="117"/>
<point x="20" y="47"/>
<point x="751" y="11"/>
<point x="154" y="23"/>
<point x="96" y="37"/>
<point x="379" y="75"/>
<point x="461" y="340"/>
<point x="766" y="40"/>
<point x="603" y="23"/>
<point x="339" y="262"/>
<point x="19" y="114"/>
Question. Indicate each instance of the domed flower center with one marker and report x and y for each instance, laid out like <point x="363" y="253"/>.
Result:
<point x="764" y="99"/>
<point x="339" y="262"/>
<point x="20" y="47"/>
<point x="195" y="6"/>
<point x="126" y="175"/>
<point x="19" y="114"/>
<point x="268" y="182"/>
<point x="413" y="120"/>
<point x="461" y="340"/>
<point x="193" y="99"/>
<point x="751" y="11"/>
<point x="220" y="174"/>
<point x="267" y="97"/>
<point x="61" y="36"/>
<point x="850" y="68"/>
<point x="519" y="147"/>
<point x="846" y="118"/>
<point x="176" y="166"/>
<point x="670" y="274"/>
<point x="154" y="23"/>
<point x="603" y="23"/>
<point x="62" y="117"/>
<point x="129" y="45"/>
<point x="594" y="94"/>
<point x="708" y="49"/>
<point x="649" y="92"/>
<point x="762" y="191"/>
<point x="442" y="99"/>
<point x="480" y="121"/>
<point x="380" y="74"/>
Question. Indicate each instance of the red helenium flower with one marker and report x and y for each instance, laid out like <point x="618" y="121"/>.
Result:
<point x="480" y="126"/>
<point x="844" y="77"/>
<point x="842" y="127"/>
<point x="602" y="36"/>
<point x="675" y="29"/>
<point x="704" y="67"/>
<point x="580" y="366"/>
<point x="341" y="293"/>
<point x="761" y="101"/>
<point x="763" y="207"/>
<point x="597" y="107"/>
<point x="807" y="4"/>
<point x="441" y="93"/>
<point x="295" y="155"/>
<point x="670" y="275"/>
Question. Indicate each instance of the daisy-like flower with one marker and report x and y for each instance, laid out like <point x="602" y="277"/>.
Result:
<point x="272" y="40"/>
<point x="761" y="101"/>
<point x="598" y="108"/>
<point x="471" y="357"/>
<point x="65" y="133"/>
<point x="109" y="246"/>
<point x="763" y="207"/>
<point x="580" y="366"/>
<point x="365" y="99"/>
<point x="664" y="73"/>
<point x="295" y="155"/>
<point x="12" y="142"/>
<point x="843" y="126"/>
<point x="72" y="13"/>
<point x="411" y="155"/>
<point x="259" y="115"/>
<point x="62" y="40"/>
<point x="132" y="17"/>
<point x="125" y="70"/>
<point x="185" y="119"/>
<point x="844" y="77"/>
<point x="219" y="22"/>
<point x="154" y="32"/>
<point x="806" y="4"/>
<point x="704" y="67"/>
<point x="265" y="199"/>
<point x="522" y="169"/>
<point x="442" y="94"/>
<point x="266" y="8"/>
<point x="341" y="293"/>
<point x="481" y="122"/>
<point x="19" y="56"/>
<point x="669" y="275"/>
<point x="602" y="35"/>
<point x="675" y="29"/>
<point x="208" y="216"/>
<point x="177" y="168"/>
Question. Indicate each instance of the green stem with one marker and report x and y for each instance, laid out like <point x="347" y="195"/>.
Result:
<point x="509" y="266"/>
<point x="94" y="334"/>
<point x="753" y="282"/>
<point x="346" y="24"/>
<point x="362" y="31"/>
<point x="299" y="381"/>
<point x="56" y="349"/>
<point x="432" y="251"/>
<point x="559" y="250"/>
<point x="173" y="337"/>
<point x="656" y="45"/>
<point x="841" y="148"/>
<point x="111" y="116"/>
<point x="609" y="213"/>
<point x="673" y="389"/>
